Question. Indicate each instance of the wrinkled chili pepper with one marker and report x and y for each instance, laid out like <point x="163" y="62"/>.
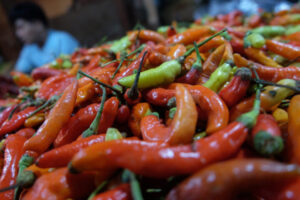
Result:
<point x="266" y="136"/>
<point x="57" y="117"/>
<point x="231" y="178"/>
<point x="13" y="153"/>
<point x="183" y="126"/>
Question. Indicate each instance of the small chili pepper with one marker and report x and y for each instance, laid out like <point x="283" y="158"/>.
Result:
<point x="188" y="36"/>
<point x="123" y="114"/>
<point x="254" y="21"/>
<point x="16" y="121"/>
<point x="159" y="96"/>
<point x="13" y="153"/>
<point x="147" y="35"/>
<point x="233" y="177"/>
<point x="183" y="126"/>
<point x="237" y="88"/>
<point x="293" y="130"/>
<point x="120" y="45"/>
<point x="281" y="116"/>
<point x="269" y="73"/>
<point x="269" y="31"/>
<point x="59" y="184"/>
<point x="259" y="56"/>
<point x="57" y="117"/>
<point x="26" y="132"/>
<point x="213" y="60"/>
<point x="94" y="63"/>
<point x="121" y="192"/>
<point x="156" y="58"/>
<point x="288" y="51"/>
<point x="266" y="136"/>
<point x="85" y="93"/>
<point x="54" y="86"/>
<point x="61" y="156"/>
<point x="43" y="73"/>
<point x="293" y="36"/>
<point x="5" y="114"/>
<point x="21" y="79"/>
<point x="138" y="111"/>
<point x="237" y="45"/>
<point x="255" y="40"/>
<point x="176" y="51"/>
<point x="171" y="31"/>
<point x="213" y="43"/>
<point x="34" y="120"/>
<point x="219" y="77"/>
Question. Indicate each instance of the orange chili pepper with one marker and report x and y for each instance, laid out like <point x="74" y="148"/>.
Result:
<point x="146" y="35"/>
<point x="183" y="126"/>
<point x="176" y="51"/>
<point x="213" y="60"/>
<point x="213" y="43"/>
<point x="34" y="120"/>
<point x="21" y="79"/>
<point x="293" y="37"/>
<point x="288" y="51"/>
<point x="259" y="56"/>
<point x="85" y="93"/>
<point x="57" y="117"/>
<point x="189" y="36"/>
<point x="138" y="111"/>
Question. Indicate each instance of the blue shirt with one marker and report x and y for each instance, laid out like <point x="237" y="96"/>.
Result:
<point x="57" y="43"/>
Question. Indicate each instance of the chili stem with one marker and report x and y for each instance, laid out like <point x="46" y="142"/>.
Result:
<point x="10" y="187"/>
<point x="97" y="190"/>
<point x="276" y="84"/>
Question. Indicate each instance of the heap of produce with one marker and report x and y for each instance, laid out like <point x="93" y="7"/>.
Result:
<point x="205" y="111"/>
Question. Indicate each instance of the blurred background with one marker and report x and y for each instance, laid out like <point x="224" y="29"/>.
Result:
<point x="89" y="21"/>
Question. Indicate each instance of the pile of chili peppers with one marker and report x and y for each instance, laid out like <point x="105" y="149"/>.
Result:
<point x="209" y="111"/>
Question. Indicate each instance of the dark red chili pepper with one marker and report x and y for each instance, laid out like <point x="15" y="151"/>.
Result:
<point x="43" y="73"/>
<point x="13" y="153"/>
<point x="226" y="180"/>
<point x="171" y="31"/>
<point x="121" y="192"/>
<point x="236" y="89"/>
<point x="159" y="96"/>
<point x="94" y="62"/>
<point x="16" y="121"/>
<point x="5" y="113"/>
<point x="123" y="114"/>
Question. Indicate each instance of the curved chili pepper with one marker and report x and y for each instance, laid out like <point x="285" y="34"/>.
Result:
<point x="213" y="43"/>
<point x="121" y="192"/>
<point x="156" y="58"/>
<point x="59" y="185"/>
<point x="237" y="88"/>
<point x="34" y="120"/>
<point x="213" y="60"/>
<point x="159" y="96"/>
<point x="84" y="117"/>
<point x="94" y="63"/>
<point x="21" y="79"/>
<point x="233" y="177"/>
<point x="147" y="35"/>
<point x="13" y="153"/>
<point x="138" y="111"/>
<point x="85" y="93"/>
<point x="5" y="114"/>
<point x="183" y="126"/>
<point x="266" y="136"/>
<point x="288" y="51"/>
<point x="188" y="36"/>
<point x="293" y="130"/>
<point x="269" y="73"/>
<point x="259" y="56"/>
<point x="57" y="117"/>
<point x="237" y="45"/>
<point x="54" y="86"/>
<point x="43" y="73"/>
<point x="123" y="114"/>
<point x="176" y="51"/>
<point x="26" y="132"/>
<point x="16" y="121"/>
<point x="61" y="156"/>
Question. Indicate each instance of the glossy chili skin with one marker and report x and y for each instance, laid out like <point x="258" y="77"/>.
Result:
<point x="158" y="96"/>
<point x="60" y="185"/>
<point x="123" y="114"/>
<point x="5" y="114"/>
<point x="188" y="36"/>
<point x="182" y="127"/>
<point x="13" y="153"/>
<point x="26" y="132"/>
<point x="288" y="51"/>
<point x="121" y="192"/>
<point x="176" y="51"/>
<point x="269" y="73"/>
<point x="147" y="35"/>
<point x="259" y="56"/>
<point x="153" y="159"/>
<point x="43" y="73"/>
<point x="94" y="62"/>
<point x="237" y="88"/>
<point x="213" y="60"/>
<point x="231" y="178"/>
<point x="54" y="85"/>
<point x="138" y="111"/>
<point x="57" y="117"/>
<point x="157" y="58"/>
<point x="293" y="130"/>
<point x="61" y="156"/>
<point x="266" y="123"/>
<point x="16" y="121"/>
<point x="84" y="117"/>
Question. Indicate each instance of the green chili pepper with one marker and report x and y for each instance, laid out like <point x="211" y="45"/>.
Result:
<point x="92" y="130"/>
<point x="162" y="30"/>
<point x="113" y="134"/>
<point x="120" y="45"/>
<point x="292" y="29"/>
<point x="255" y="40"/>
<point x="218" y="77"/>
<point x="67" y="64"/>
<point x="270" y="31"/>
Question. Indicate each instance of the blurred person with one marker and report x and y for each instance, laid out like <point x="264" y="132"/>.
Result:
<point x="41" y="44"/>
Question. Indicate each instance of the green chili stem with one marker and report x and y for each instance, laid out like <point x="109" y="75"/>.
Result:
<point x="99" y="82"/>
<point x="13" y="111"/>
<point x="197" y="64"/>
<point x="49" y="102"/>
<point x="119" y="66"/>
<point x="135" y="187"/>
<point x="133" y="92"/>
<point x="263" y="82"/>
<point x="92" y="130"/>
<point x="10" y="187"/>
<point x="97" y="190"/>
<point x="201" y="43"/>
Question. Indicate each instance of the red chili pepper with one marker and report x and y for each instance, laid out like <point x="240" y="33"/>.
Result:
<point x="288" y="51"/>
<point x="227" y="179"/>
<point x="176" y="51"/>
<point x="157" y="58"/>
<point x="16" y="121"/>
<point x="237" y="88"/>
<point x="121" y="192"/>
<point x="171" y="31"/>
<point x="159" y="96"/>
<point x="94" y="63"/>
<point x="237" y="45"/>
<point x="57" y="117"/>
<point x="293" y="37"/>
<point x="43" y="73"/>
<point x="26" y="132"/>
<point x="5" y="114"/>
<point x="255" y="21"/>
<point x="13" y="153"/>
<point x="213" y="60"/>
<point x="54" y="86"/>
<point x="182" y="127"/>
<point x="266" y="136"/>
<point x="61" y="156"/>
<point x="123" y="114"/>
<point x="84" y="117"/>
